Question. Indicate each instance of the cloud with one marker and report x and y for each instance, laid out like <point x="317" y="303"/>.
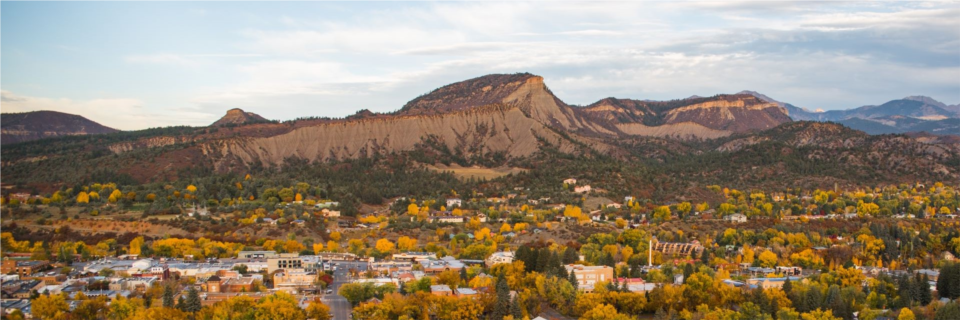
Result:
<point x="119" y="113"/>
<point x="184" y="59"/>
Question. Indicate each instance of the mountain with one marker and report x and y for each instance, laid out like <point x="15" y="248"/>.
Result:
<point x="910" y="114"/>
<point x="236" y="116"/>
<point x="27" y="126"/>
<point x="493" y="120"/>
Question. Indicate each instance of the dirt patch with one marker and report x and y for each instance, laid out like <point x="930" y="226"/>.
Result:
<point x="477" y="172"/>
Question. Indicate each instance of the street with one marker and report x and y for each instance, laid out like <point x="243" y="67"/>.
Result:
<point x="339" y="305"/>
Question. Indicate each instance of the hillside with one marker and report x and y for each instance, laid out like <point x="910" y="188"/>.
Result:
<point x="237" y="116"/>
<point x="490" y="121"/>
<point x="27" y="126"/>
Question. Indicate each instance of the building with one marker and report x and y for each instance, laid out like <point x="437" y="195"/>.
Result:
<point x="24" y="268"/>
<point x="413" y="256"/>
<point x="677" y="248"/>
<point x="289" y="262"/>
<point x="294" y="281"/>
<point x="441" y="290"/>
<point x="499" y="257"/>
<point x="451" y="202"/>
<point x="736" y="218"/>
<point x="256" y="254"/>
<point x="768" y="283"/>
<point x="330" y="213"/>
<point x="441" y="265"/>
<point x="582" y="189"/>
<point x="570" y="181"/>
<point x="590" y="275"/>
<point x="446" y="219"/>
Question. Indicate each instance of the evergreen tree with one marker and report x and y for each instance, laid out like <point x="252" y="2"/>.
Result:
<point x="193" y="300"/>
<point x="573" y="279"/>
<point x="167" y="297"/>
<point x="787" y="286"/>
<point x="463" y="274"/>
<point x="543" y="260"/>
<point x="515" y="309"/>
<point x="705" y="257"/>
<point x="502" y="307"/>
<point x="570" y="256"/>
<point x="948" y="284"/>
<point x="553" y="264"/>
<point x="181" y="304"/>
<point x="687" y="271"/>
<point x="924" y="285"/>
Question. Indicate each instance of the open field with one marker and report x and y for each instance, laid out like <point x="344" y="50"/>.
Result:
<point x="477" y="172"/>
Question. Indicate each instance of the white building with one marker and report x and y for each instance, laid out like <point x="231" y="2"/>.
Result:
<point x="454" y="202"/>
<point x="570" y="181"/>
<point x="581" y="189"/>
<point x="499" y="257"/>
<point x="736" y="217"/>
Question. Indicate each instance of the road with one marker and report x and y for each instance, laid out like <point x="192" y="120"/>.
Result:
<point x="339" y="305"/>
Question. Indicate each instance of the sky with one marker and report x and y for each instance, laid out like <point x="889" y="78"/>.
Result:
<point x="135" y="65"/>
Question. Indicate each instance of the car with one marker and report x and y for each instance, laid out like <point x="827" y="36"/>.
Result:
<point x="329" y="291"/>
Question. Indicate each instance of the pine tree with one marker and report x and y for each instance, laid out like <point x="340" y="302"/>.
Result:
<point x="573" y="279"/>
<point x="515" y="309"/>
<point x="193" y="300"/>
<point x="463" y="274"/>
<point x="950" y="311"/>
<point x="167" y="297"/>
<point x="787" y="286"/>
<point x="553" y="264"/>
<point x="705" y="257"/>
<point x="570" y="256"/>
<point x="923" y="289"/>
<point x="543" y="260"/>
<point x="181" y="304"/>
<point x="502" y="307"/>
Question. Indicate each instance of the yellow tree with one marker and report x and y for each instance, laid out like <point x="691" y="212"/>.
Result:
<point x="298" y="197"/>
<point x="506" y="228"/>
<point x="83" y="197"/>
<point x="385" y="246"/>
<point x="406" y="243"/>
<point x="317" y="247"/>
<point x="135" y="245"/>
<point x="335" y="236"/>
<point x="115" y="196"/>
<point x="768" y="259"/>
<point x="481" y="234"/>
<point x="50" y="307"/>
<point x="413" y="209"/>
<point x="317" y="310"/>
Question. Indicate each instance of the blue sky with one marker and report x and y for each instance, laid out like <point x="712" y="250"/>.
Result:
<point x="133" y="65"/>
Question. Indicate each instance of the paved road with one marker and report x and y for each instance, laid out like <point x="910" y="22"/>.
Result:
<point x="339" y="305"/>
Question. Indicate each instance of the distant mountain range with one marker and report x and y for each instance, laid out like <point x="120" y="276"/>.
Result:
<point x="508" y="119"/>
<point x="910" y="114"/>
<point x="27" y="126"/>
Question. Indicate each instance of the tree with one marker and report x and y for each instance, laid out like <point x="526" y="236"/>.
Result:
<point x="948" y="284"/>
<point x="661" y="214"/>
<point x="906" y="314"/>
<point x="49" y="307"/>
<point x="318" y="310"/>
<point x="193" y="301"/>
<point x="385" y="246"/>
<point x="167" y="296"/>
<point x="279" y="306"/>
<point x="949" y="311"/>
<point x="768" y="259"/>
<point x="136" y="245"/>
<point x="515" y="310"/>
<point x="502" y="307"/>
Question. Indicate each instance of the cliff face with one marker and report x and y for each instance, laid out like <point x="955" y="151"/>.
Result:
<point x="20" y="127"/>
<point x="695" y="117"/>
<point x="476" y="132"/>
<point x="237" y="116"/>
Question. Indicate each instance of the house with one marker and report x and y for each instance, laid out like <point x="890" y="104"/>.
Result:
<point x="614" y="205"/>
<point x="736" y="218"/>
<point x="570" y="181"/>
<point x="413" y="256"/>
<point x="299" y="222"/>
<point x="330" y="213"/>
<point x="269" y="221"/>
<point x="446" y="218"/>
<point x="441" y="290"/>
<point x="451" y="202"/>
<point x="482" y="217"/>
<point x="582" y="189"/>
<point x="627" y="199"/>
<point x="499" y="257"/>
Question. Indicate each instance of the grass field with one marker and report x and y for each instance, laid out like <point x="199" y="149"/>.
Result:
<point x="478" y="172"/>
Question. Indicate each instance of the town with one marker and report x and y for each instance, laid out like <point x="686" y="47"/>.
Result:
<point x="791" y="254"/>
